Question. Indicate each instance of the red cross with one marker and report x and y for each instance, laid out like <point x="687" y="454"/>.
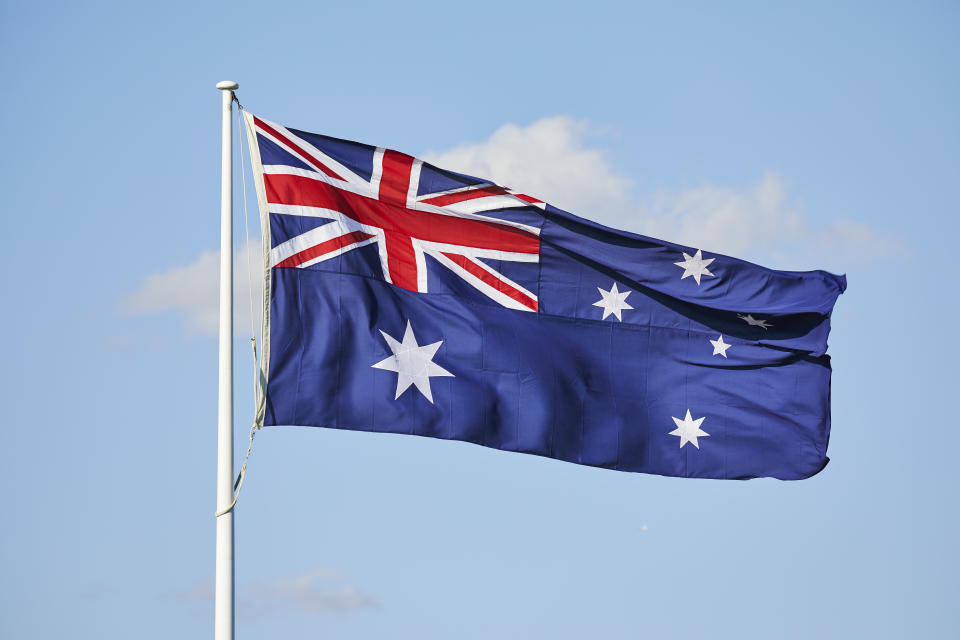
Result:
<point x="399" y="224"/>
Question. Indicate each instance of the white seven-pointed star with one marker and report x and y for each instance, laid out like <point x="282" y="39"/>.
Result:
<point x="753" y="322"/>
<point x="413" y="363"/>
<point x="694" y="265"/>
<point x="612" y="302"/>
<point x="689" y="430"/>
<point x="720" y="347"/>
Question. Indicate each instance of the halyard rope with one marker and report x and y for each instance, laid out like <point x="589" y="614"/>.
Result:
<point x="253" y="339"/>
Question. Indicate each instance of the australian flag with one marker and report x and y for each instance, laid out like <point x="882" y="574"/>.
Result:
<point x="405" y="298"/>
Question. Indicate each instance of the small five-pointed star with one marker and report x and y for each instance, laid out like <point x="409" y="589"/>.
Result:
<point x="413" y="363"/>
<point x="694" y="266"/>
<point x="753" y="322"/>
<point x="689" y="430"/>
<point x="612" y="302"/>
<point x="720" y="347"/>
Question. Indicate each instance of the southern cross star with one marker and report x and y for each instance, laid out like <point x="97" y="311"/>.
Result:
<point x="720" y="347"/>
<point x="689" y="430"/>
<point x="412" y="363"/>
<point x="694" y="266"/>
<point x="753" y="322"/>
<point x="612" y="302"/>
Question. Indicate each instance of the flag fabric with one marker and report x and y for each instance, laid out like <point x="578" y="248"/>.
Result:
<point x="405" y="298"/>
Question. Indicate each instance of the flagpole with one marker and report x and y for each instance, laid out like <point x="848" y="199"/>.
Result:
<point x="223" y="602"/>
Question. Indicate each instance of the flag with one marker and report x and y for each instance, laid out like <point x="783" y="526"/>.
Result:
<point x="405" y="298"/>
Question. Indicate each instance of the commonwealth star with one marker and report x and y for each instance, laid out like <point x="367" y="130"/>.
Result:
<point x="689" y="430"/>
<point x="412" y="363"/>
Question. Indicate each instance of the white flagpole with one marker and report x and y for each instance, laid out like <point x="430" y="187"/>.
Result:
<point x="223" y="604"/>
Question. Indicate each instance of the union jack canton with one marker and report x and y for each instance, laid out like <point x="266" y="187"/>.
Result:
<point x="394" y="202"/>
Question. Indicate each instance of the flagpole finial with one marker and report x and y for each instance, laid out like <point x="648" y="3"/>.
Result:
<point x="227" y="85"/>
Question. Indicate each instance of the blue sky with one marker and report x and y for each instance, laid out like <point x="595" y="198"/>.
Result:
<point x="804" y="135"/>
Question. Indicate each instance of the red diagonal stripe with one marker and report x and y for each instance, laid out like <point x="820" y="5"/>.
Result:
<point x="470" y="267"/>
<point x="328" y="246"/>
<point x="462" y="196"/>
<point x="290" y="143"/>
<point x="425" y="225"/>
<point x="527" y="198"/>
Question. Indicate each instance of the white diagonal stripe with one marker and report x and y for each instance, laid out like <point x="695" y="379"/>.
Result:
<point x="345" y="172"/>
<point x="304" y="241"/>
<point x="491" y="292"/>
<point x="486" y="203"/>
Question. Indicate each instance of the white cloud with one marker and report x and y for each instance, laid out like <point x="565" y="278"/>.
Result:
<point x="548" y="160"/>
<point x="553" y="160"/>
<point x="723" y="218"/>
<point x="201" y="592"/>
<point x="760" y="223"/>
<point x="319" y="590"/>
<point x="192" y="292"/>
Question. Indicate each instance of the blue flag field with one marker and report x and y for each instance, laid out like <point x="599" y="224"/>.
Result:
<point x="405" y="298"/>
